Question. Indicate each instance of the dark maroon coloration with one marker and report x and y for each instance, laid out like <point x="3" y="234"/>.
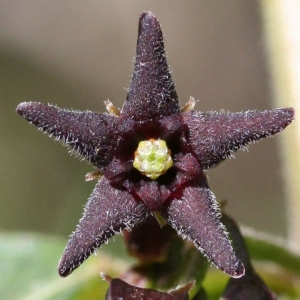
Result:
<point x="124" y="197"/>
<point x="149" y="242"/>
<point x="90" y="134"/>
<point x="216" y="136"/>
<point x="119" y="289"/>
<point x="103" y="218"/>
<point x="151" y="81"/>
<point x="194" y="214"/>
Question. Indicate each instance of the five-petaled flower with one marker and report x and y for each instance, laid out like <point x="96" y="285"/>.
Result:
<point x="152" y="156"/>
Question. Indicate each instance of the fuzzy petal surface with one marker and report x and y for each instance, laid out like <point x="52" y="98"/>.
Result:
<point x="216" y="136"/>
<point x="194" y="214"/>
<point x="107" y="212"/>
<point x="152" y="92"/>
<point x="90" y="134"/>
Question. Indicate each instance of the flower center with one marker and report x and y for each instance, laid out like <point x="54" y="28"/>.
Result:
<point x="152" y="158"/>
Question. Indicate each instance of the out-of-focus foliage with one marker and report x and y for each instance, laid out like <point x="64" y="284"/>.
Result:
<point x="28" y="270"/>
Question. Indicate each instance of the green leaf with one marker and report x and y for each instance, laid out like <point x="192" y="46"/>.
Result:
<point x="270" y="248"/>
<point x="281" y="265"/>
<point x="28" y="269"/>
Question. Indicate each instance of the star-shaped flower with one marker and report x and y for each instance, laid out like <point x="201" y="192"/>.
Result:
<point x="152" y="156"/>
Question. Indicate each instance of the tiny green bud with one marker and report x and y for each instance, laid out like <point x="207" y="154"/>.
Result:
<point x="152" y="158"/>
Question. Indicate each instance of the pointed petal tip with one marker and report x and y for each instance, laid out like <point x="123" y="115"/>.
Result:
<point x="67" y="264"/>
<point x="73" y="257"/>
<point x="239" y="271"/>
<point x="286" y="115"/>
<point x="25" y="108"/>
<point x="62" y="269"/>
<point x="290" y="111"/>
<point x="231" y="266"/>
<point x="63" y="272"/>
<point x="21" y="108"/>
<point x="147" y="16"/>
<point x="152" y="92"/>
<point x="147" y="23"/>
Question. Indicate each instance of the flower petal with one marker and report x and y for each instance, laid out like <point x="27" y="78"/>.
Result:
<point x="217" y="136"/>
<point x="152" y="92"/>
<point x="108" y="211"/>
<point x="90" y="134"/>
<point x="194" y="213"/>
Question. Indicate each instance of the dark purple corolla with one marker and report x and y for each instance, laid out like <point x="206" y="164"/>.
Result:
<point x="152" y="156"/>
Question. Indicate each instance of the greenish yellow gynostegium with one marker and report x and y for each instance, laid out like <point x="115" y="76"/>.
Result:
<point x="152" y="158"/>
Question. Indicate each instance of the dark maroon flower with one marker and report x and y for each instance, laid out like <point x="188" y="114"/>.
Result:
<point x="152" y="156"/>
